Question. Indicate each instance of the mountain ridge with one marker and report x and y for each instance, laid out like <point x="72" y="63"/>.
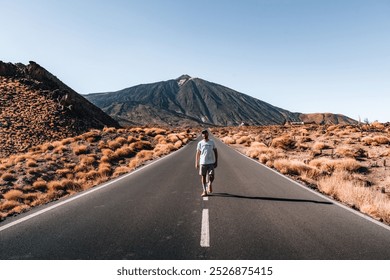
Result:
<point x="196" y="100"/>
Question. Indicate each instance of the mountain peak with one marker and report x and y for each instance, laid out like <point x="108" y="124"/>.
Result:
<point x="183" y="77"/>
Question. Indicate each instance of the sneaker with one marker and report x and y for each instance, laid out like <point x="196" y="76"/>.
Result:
<point x="204" y="193"/>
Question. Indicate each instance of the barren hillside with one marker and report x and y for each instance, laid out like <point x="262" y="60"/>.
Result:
<point x="36" y="107"/>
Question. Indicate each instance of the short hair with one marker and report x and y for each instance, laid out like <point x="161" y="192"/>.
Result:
<point x="204" y="131"/>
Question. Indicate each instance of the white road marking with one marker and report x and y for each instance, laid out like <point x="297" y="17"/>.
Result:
<point x="205" y="198"/>
<point x="205" y="232"/>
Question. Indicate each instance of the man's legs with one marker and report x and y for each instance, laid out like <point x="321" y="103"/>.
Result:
<point x="211" y="179"/>
<point x="204" y="185"/>
<point x="203" y="173"/>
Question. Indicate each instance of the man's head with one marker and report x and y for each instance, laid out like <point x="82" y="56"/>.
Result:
<point x="205" y="134"/>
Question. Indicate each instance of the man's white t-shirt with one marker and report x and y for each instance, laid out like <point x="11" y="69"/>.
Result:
<point x="206" y="149"/>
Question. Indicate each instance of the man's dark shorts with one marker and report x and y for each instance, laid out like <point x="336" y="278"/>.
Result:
<point x="206" y="169"/>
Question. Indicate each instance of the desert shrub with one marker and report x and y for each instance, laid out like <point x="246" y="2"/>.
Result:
<point x="87" y="160"/>
<point x="160" y="139"/>
<point x="178" y="144"/>
<point x="283" y="142"/>
<point x="367" y="140"/>
<point x="133" y="163"/>
<point x="243" y="140"/>
<point x="332" y="165"/>
<point x="163" y="149"/>
<point x="13" y="195"/>
<point x="109" y="130"/>
<point x="256" y="151"/>
<point x="228" y="140"/>
<point x="46" y="147"/>
<point x="305" y="139"/>
<point x="67" y="141"/>
<point x="131" y="139"/>
<point x="70" y="185"/>
<point x="378" y="125"/>
<point x="28" y="198"/>
<point x="54" y="186"/>
<point x="8" y="177"/>
<point x="102" y="145"/>
<point x="380" y="139"/>
<point x="347" y="151"/>
<point x="154" y="131"/>
<point x="141" y="145"/>
<point x="40" y="185"/>
<point x="121" y="170"/>
<point x="264" y="158"/>
<point x="8" y="205"/>
<point x="173" y="137"/>
<point x="104" y="169"/>
<point x="60" y="149"/>
<point x="332" y="128"/>
<point x="144" y="155"/>
<point x="80" y="149"/>
<point x="89" y="175"/>
<point x="20" y="158"/>
<point x="105" y="159"/>
<point x="124" y="152"/>
<point x="291" y="167"/>
<point x="114" y="144"/>
<point x="318" y="146"/>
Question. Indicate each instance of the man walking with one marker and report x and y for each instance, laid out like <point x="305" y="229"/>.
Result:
<point x="206" y="160"/>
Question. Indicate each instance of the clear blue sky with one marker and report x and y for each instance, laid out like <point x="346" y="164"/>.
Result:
<point x="301" y="55"/>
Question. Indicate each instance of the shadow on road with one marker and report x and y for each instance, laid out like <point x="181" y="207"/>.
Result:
<point x="269" y="198"/>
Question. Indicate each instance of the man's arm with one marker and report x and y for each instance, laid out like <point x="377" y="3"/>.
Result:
<point x="197" y="159"/>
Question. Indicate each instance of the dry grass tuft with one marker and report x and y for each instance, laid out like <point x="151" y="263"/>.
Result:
<point x="80" y="149"/>
<point x="13" y="195"/>
<point x="293" y="167"/>
<point x="381" y="139"/>
<point x="8" y="205"/>
<point x="348" y="151"/>
<point x="228" y="140"/>
<point x="163" y="149"/>
<point x="283" y="142"/>
<point x="121" y="170"/>
<point x="8" y="177"/>
<point x="332" y="165"/>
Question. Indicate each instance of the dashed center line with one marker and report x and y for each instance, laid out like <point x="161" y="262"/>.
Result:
<point x="205" y="232"/>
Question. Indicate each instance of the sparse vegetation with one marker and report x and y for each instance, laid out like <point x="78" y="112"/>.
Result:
<point x="57" y="169"/>
<point x="349" y="163"/>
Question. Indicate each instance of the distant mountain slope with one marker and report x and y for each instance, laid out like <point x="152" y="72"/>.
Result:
<point x="191" y="100"/>
<point x="326" y="118"/>
<point x="35" y="107"/>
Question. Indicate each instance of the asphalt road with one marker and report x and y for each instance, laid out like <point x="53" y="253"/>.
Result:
<point x="157" y="213"/>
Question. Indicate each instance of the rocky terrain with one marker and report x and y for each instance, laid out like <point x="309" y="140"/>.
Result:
<point x="57" y="169"/>
<point x="36" y="107"/>
<point x="191" y="101"/>
<point x="350" y="163"/>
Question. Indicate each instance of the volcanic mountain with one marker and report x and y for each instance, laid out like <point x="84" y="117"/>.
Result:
<point x="35" y="107"/>
<point x="189" y="101"/>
